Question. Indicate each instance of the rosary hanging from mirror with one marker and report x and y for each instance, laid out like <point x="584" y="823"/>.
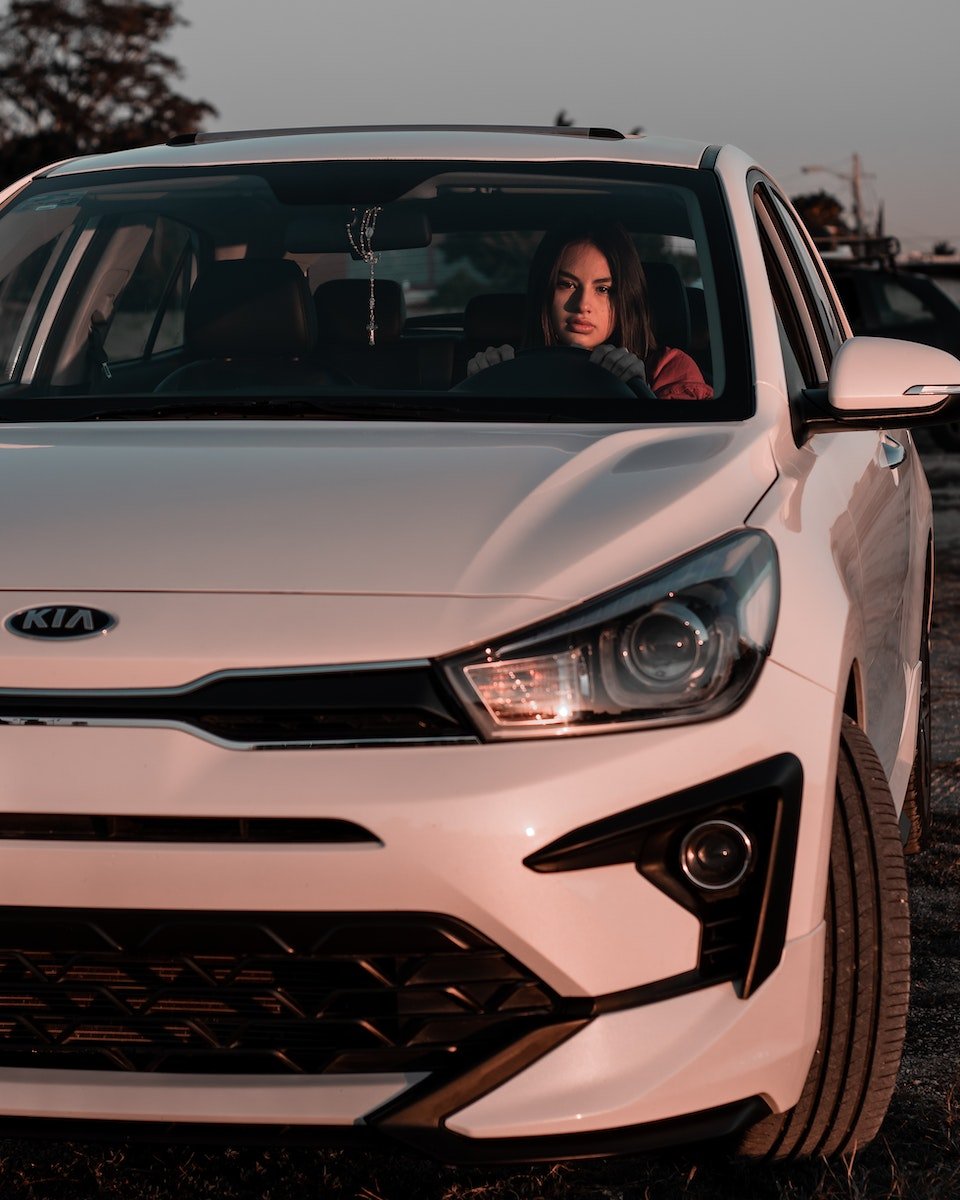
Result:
<point x="360" y="231"/>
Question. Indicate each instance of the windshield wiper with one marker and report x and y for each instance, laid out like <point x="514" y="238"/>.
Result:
<point x="244" y="407"/>
<point x="383" y="406"/>
<point x="225" y="408"/>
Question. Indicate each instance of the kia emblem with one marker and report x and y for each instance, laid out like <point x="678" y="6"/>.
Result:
<point x="60" y="621"/>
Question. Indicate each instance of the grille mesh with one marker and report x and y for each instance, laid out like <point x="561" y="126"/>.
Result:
<point x="260" y="993"/>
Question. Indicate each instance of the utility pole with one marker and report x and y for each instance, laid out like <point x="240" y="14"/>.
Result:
<point x="855" y="179"/>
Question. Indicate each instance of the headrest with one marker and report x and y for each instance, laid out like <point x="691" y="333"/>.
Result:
<point x="669" y="308"/>
<point x="495" y="319"/>
<point x="343" y="310"/>
<point x="250" y="306"/>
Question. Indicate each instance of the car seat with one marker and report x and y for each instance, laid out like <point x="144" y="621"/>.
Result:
<point x="490" y="319"/>
<point x="249" y="322"/>
<point x="342" y="309"/>
<point x="669" y="307"/>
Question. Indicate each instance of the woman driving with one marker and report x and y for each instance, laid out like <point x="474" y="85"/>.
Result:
<point x="587" y="289"/>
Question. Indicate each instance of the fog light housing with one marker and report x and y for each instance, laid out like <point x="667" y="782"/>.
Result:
<point x="716" y="855"/>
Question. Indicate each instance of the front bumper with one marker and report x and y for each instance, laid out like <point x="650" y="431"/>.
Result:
<point x="624" y="1082"/>
<point x="453" y="826"/>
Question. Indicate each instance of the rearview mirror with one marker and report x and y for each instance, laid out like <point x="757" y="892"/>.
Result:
<point x="322" y="229"/>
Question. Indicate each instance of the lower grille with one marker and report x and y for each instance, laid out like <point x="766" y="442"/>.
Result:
<point x="83" y="827"/>
<point x="256" y="993"/>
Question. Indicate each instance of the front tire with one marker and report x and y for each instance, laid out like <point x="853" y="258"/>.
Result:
<point x="866" y="974"/>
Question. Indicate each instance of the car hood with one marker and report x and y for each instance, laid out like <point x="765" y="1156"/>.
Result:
<point x="528" y="519"/>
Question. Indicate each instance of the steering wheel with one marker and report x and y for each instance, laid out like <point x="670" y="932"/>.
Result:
<point x="548" y="372"/>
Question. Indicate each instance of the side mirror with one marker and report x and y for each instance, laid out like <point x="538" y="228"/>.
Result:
<point x="882" y="383"/>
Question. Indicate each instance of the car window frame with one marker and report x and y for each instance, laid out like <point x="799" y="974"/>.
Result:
<point x="808" y="279"/>
<point x="820" y="289"/>
<point x="735" y="400"/>
<point x="795" y="317"/>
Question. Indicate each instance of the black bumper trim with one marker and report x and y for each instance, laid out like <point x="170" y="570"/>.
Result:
<point x="418" y="1117"/>
<point x="441" y="1144"/>
<point x="707" y="1125"/>
<point x="744" y="927"/>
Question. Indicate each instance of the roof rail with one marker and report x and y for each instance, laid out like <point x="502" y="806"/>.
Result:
<point x="200" y="139"/>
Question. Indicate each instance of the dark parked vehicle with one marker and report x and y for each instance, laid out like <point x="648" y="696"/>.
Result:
<point x="883" y="300"/>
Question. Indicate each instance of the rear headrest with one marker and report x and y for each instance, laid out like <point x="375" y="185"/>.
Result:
<point x="343" y="310"/>
<point x="250" y="306"/>
<point x="669" y="309"/>
<point x="495" y="319"/>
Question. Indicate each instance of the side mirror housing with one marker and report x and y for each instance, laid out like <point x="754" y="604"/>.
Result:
<point x="882" y="383"/>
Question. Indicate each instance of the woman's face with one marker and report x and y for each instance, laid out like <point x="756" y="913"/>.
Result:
<point x="582" y="307"/>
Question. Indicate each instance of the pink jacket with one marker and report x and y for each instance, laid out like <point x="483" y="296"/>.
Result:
<point x="674" y="375"/>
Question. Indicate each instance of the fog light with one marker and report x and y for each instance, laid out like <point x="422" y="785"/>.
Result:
<point x="716" y="855"/>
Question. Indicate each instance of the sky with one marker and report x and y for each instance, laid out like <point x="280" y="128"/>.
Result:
<point x="804" y="84"/>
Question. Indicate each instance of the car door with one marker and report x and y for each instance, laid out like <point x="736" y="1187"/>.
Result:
<point x="873" y="472"/>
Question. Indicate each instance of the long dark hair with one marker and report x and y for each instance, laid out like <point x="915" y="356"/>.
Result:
<point x="632" y="326"/>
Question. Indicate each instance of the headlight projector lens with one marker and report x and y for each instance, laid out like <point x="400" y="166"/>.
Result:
<point x="666" y="646"/>
<point x="716" y="855"/>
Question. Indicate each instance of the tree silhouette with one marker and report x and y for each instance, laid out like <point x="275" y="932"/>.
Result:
<point x="85" y="76"/>
<point x="822" y="213"/>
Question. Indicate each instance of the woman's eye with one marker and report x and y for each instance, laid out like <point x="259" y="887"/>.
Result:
<point x="604" y="289"/>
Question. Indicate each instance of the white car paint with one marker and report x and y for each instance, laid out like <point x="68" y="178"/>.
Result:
<point x="229" y="545"/>
<point x="554" y="514"/>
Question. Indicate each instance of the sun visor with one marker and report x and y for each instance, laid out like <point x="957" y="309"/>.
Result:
<point x="324" y="230"/>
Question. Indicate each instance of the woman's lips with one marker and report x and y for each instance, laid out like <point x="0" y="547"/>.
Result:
<point x="579" y="327"/>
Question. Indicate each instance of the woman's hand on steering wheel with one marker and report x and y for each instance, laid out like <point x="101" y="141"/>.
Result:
<point x="620" y="362"/>
<point x="489" y="358"/>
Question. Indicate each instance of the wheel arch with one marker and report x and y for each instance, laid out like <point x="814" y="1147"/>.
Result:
<point x="853" y="693"/>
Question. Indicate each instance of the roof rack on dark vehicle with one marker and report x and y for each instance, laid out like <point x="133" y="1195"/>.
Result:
<point x="854" y="247"/>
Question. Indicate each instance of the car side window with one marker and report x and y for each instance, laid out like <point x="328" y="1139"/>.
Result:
<point x="804" y="362"/>
<point x="897" y="305"/>
<point x="850" y="299"/>
<point x="148" y="317"/>
<point x="829" y="321"/>
<point x="21" y="287"/>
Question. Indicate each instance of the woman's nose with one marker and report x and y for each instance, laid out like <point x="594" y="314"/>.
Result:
<point x="577" y="301"/>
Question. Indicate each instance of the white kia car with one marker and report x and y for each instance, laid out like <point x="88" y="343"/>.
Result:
<point x="503" y="752"/>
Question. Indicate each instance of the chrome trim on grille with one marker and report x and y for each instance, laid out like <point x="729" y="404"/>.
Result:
<point x="182" y="689"/>
<point x="365" y="720"/>
<point x="226" y="744"/>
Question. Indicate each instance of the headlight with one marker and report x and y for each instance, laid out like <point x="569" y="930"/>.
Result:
<point x="683" y="644"/>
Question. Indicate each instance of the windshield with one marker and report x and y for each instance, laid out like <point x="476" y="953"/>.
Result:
<point x="372" y="289"/>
